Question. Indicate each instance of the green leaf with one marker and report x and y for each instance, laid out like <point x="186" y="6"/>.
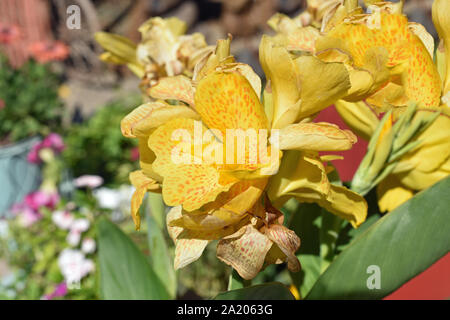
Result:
<point x="267" y="291"/>
<point x="402" y="244"/>
<point x="305" y="278"/>
<point x="160" y="259"/>
<point x="125" y="273"/>
<point x="306" y="223"/>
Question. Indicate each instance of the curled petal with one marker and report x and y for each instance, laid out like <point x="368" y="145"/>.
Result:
<point x="284" y="82"/>
<point x="316" y="137"/>
<point x="187" y="251"/>
<point x="177" y="88"/>
<point x="142" y="183"/>
<point x="145" y="118"/>
<point x="299" y="171"/>
<point x="359" y="117"/>
<point x="322" y="83"/>
<point x="246" y="253"/>
<point x="288" y="242"/>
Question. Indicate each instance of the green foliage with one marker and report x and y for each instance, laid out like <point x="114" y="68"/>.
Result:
<point x="97" y="146"/>
<point x="402" y="244"/>
<point x="160" y="258"/>
<point x="31" y="102"/>
<point x="125" y="272"/>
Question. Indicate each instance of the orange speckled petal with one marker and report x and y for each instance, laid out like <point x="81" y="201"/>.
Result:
<point x="406" y="50"/>
<point x="176" y="88"/>
<point x="316" y="137"/>
<point x="246" y="254"/>
<point x="188" y="184"/>
<point x="142" y="184"/>
<point x="228" y="101"/>
<point x="192" y="186"/>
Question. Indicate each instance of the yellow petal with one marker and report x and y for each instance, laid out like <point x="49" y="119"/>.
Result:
<point x="441" y="21"/>
<point x="346" y="204"/>
<point x="246" y="71"/>
<point x="176" y="88"/>
<point x="408" y="56"/>
<point x="144" y="119"/>
<point x="188" y="184"/>
<point x="392" y="194"/>
<point x="229" y="208"/>
<point x="322" y="84"/>
<point x="298" y="171"/>
<point x="246" y="253"/>
<point x="434" y="149"/>
<point x="316" y="137"/>
<point x="121" y="47"/>
<point x="142" y="183"/>
<point x="228" y="101"/>
<point x="284" y="82"/>
<point x="359" y="117"/>
<point x="426" y="38"/>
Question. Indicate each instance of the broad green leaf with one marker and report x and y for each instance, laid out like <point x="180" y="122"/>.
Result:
<point x="125" y="273"/>
<point x="159" y="258"/>
<point x="305" y="278"/>
<point x="267" y="291"/>
<point x="305" y="222"/>
<point x="402" y="244"/>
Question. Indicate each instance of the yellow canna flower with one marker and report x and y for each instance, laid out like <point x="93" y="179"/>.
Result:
<point x="216" y="189"/>
<point x="163" y="51"/>
<point x="401" y="51"/>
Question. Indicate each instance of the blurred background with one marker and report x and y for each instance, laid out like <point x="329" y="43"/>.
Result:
<point x="55" y="94"/>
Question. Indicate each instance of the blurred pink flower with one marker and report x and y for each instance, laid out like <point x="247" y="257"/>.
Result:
<point x="53" y="141"/>
<point x="26" y="215"/>
<point x="38" y="199"/>
<point x="33" y="155"/>
<point x="134" y="156"/>
<point x="9" y="33"/>
<point x="2" y="104"/>
<point x="45" y="51"/>
<point x="60" y="291"/>
<point x="89" y="181"/>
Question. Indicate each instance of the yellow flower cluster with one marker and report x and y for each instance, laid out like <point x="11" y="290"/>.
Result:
<point x="200" y="96"/>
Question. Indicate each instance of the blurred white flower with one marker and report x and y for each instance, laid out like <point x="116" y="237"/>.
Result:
<point x="62" y="219"/>
<point x="77" y="227"/>
<point x="107" y="198"/>
<point x="80" y="225"/>
<point x="89" y="181"/>
<point x="74" y="265"/>
<point x="73" y="238"/>
<point x="88" y="245"/>
<point x="4" y="229"/>
<point x="117" y="200"/>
